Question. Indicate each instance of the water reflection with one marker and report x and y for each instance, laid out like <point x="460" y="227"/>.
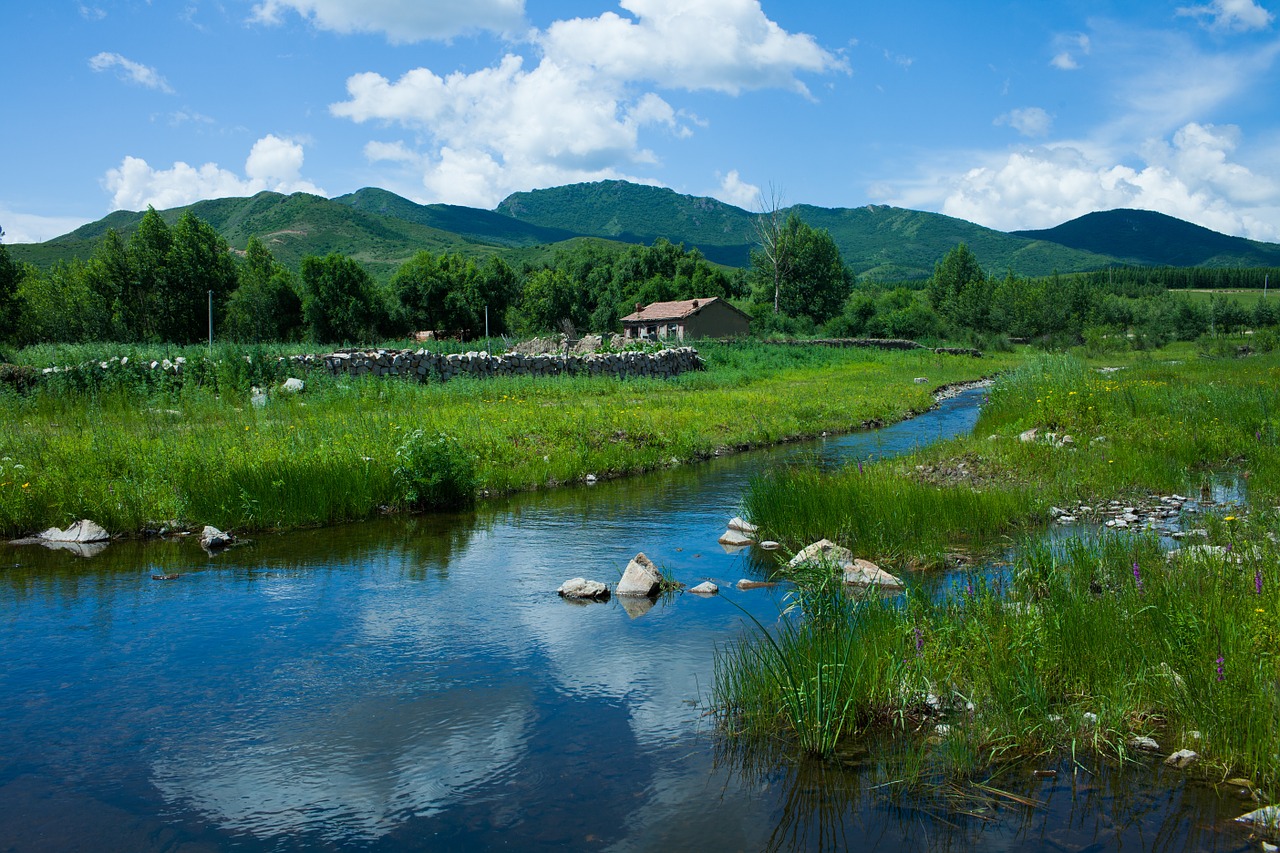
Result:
<point x="417" y="684"/>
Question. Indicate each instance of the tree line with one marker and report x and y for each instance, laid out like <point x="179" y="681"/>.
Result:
<point x="163" y="282"/>
<point x="160" y="284"/>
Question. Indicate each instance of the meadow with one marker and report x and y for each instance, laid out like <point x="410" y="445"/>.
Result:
<point x="1077" y="645"/>
<point x="136" y="451"/>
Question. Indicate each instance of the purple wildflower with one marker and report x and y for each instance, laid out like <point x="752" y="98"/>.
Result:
<point x="1221" y="675"/>
<point x="859" y="466"/>
<point x="1137" y="576"/>
<point x="1257" y="582"/>
<point x="919" y="641"/>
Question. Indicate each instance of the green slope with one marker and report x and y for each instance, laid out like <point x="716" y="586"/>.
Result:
<point x="382" y="230"/>
<point x="879" y="242"/>
<point x="470" y="223"/>
<point x="633" y="213"/>
<point x="890" y="243"/>
<point x="292" y="226"/>
<point x="1146" y="237"/>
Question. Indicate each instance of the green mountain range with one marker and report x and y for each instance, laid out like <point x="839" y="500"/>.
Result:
<point x="1146" y="237"/>
<point x="382" y="230"/>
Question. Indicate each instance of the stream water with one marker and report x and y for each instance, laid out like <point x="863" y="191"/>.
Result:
<point x="416" y="684"/>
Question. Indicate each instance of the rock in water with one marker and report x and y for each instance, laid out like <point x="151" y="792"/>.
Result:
<point x="581" y="588"/>
<point x="734" y="539"/>
<point x="866" y="573"/>
<point x="705" y="588"/>
<point x="1182" y="758"/>
<point x="641" y="579"/>
<point x="1267" y="816"/>
<point x="736" y="523"/>
<point x="822" y="550"/>
<point x="213" y="539"/>
<point x="82" y="531"/>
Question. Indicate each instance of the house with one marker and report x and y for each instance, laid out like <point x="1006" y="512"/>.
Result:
<point x="685" y="320"/>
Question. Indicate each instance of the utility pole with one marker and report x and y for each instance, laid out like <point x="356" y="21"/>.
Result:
<point x="210" y="321"/>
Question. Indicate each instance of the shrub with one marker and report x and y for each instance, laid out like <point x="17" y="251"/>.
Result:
<point x="434" y="472"/>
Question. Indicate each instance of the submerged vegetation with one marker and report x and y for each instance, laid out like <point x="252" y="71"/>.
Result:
<point x="1082" y="644"/>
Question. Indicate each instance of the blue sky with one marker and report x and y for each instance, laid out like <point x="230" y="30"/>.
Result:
<point x="1009" y="114"/>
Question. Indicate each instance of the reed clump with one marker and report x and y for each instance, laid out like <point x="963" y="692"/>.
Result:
<point x="1083" y="643"/>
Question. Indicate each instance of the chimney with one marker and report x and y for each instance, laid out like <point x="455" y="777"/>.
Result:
<point x="695" y="305"/>
<point x="639" y="307"/>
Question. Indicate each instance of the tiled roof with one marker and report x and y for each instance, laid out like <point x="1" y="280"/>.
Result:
<point x="656" y="311"/>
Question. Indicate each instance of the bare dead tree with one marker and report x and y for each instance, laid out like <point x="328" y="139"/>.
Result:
<point x="772" y="235"/>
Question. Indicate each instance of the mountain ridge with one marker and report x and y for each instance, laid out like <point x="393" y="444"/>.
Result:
<point x="878" y="242"/>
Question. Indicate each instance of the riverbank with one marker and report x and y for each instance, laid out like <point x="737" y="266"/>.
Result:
<point x="139" y="459"/>
<point x="1102" y="642"/>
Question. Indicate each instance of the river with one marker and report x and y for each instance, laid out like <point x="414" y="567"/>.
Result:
<point x="416" y="684"/>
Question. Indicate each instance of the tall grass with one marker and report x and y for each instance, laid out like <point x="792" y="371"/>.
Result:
<point x="1081" y="645"/>
<point x="132" y="454"/>
<point x="1082" y="651"/>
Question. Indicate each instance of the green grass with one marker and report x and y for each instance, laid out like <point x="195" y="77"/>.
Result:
<point x="1085" y="644"/>
<point x="134" y="452"/>
<point x="1080" y="652"/>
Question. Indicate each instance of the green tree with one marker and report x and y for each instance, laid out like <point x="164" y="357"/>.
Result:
<point x="340" y="302"/>
<point x="109" y="274"/>
<point x="550" y="300"/>
<point x="11" y="275"/>
<point x="803" y="267"/>
<point x="960" y="291"/>
<point x="198" y="267"/>
<point x="148" y="260"/>
<point x="60" y="305"/>
<point x="265" y="306"/>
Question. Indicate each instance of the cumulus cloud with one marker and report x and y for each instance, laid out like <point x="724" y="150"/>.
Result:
<point x="1031" y="121"/>
<point x="733" y="190"/>
<point x="401" y="21"/>
<point x="720" y="45"/>
<point x="273" y="164"/>
<point x="1232" y="15"/>
<point x="578" y="114"/>
<point x="1190" y="176"/>
<point x="128" y="70"/>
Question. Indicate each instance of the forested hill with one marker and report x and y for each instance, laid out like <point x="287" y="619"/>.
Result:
<point x="382" y="230"/>
<point x="1147" y="237"/>
<point x="879" y="242"/>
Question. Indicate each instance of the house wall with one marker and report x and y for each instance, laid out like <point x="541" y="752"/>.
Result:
<point x="716" y="320"/>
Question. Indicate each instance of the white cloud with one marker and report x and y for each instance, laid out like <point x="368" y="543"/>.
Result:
<point x="401" y="21"/>
<point x="1234" y="15"/>
<point x="1031" y="121"/>
<point x="273" y="164"/>
<point x="1064" y="61"/>
<point x="1189" y="176"/>
<point x="33" y="228"/>
<point x="733" y="190"/>
<point x="1068" y="45"/>
<point x="92" y="13"/>
<point x="133" y="72"/>
<point x="721" y="45"/>
<point x="578" y="114"/>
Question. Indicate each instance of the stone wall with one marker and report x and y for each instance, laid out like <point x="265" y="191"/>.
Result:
<point x="424" y="366"/>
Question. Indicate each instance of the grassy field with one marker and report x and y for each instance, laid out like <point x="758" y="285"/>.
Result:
<point x="1079" y="645"/>
<point x="134" y="452"/>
